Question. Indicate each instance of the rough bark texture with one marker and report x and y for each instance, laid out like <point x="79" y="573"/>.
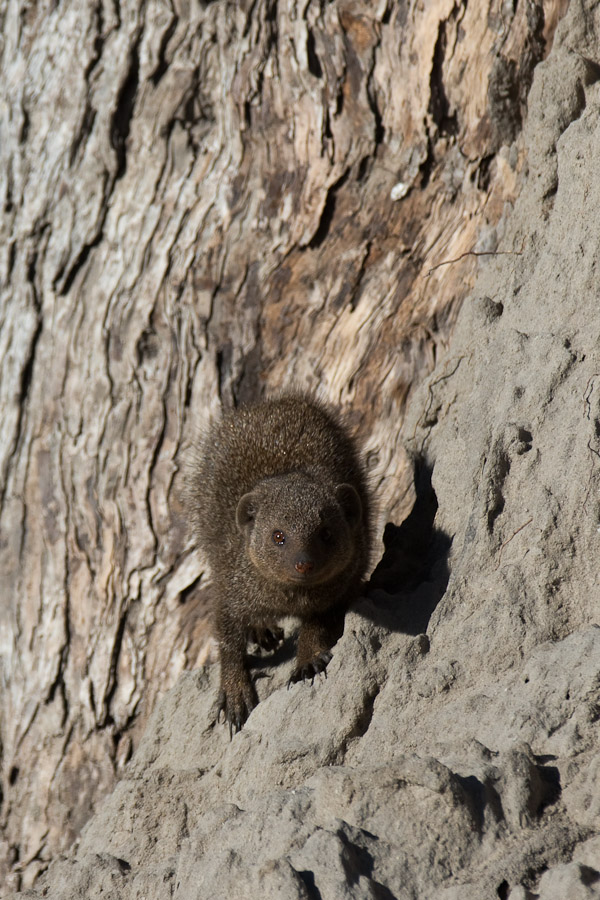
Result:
<point x="199" y="201"/>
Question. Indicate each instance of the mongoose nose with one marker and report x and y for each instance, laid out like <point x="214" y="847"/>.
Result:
<point x="303" y="566"/>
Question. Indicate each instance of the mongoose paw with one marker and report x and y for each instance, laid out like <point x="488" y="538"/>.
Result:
<point x="312" y="668"/>
<point x="236" y="707"/>
<point x="268" y="639"/>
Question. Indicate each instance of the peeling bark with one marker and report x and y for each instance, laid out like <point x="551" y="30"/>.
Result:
<point x="197" y="206"/>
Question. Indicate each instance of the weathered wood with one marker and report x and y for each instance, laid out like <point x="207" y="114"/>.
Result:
<point x="201" y="201"/>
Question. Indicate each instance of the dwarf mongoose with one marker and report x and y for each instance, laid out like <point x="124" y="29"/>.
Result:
<point x="280" y="506"/>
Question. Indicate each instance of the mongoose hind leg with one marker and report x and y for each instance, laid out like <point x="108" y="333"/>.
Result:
<point x="267" y="638"/>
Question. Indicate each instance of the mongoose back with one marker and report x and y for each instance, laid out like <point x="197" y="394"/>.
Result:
<point x="279" y="504"/>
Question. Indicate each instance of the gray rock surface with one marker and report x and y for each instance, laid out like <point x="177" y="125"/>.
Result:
<point x="454" y="749"/>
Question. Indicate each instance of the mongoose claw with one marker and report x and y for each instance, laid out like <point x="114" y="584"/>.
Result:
<point x="235" y="707"/>
<point x="311" y="669"/>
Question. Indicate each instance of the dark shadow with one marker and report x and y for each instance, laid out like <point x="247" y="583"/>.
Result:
<point x="503" y="890"/>
<point x="551" y="786"/>
<point x="414" y="570"/>
<point x="263" y="659"/>
<point x="357" y="859"/>
<point x="481" y="795"/>
<point x="588" y="875"/>
<point x="308" y="879"/>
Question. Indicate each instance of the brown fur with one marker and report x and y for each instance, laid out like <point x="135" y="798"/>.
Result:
<point x="279" y="503"/>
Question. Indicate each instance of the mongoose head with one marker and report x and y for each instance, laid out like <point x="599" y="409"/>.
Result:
<point x="298" y="531"/>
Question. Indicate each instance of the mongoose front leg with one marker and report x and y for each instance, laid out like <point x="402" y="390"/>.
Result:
<point x="315" y="640"/>
<point x="237" y="695"/>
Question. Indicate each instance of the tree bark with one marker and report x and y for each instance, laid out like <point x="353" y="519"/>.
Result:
<point x="201" y="202"/>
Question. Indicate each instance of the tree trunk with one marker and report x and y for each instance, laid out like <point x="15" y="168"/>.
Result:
<point x="201" y="202"/>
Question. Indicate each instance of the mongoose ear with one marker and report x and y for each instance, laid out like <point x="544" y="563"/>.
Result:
<point x="246" y="511"/>
<point x="349" y="500"/>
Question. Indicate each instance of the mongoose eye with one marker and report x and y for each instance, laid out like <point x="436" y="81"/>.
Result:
<point x="326" y="536"/>
<point x="278" y="537"/>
